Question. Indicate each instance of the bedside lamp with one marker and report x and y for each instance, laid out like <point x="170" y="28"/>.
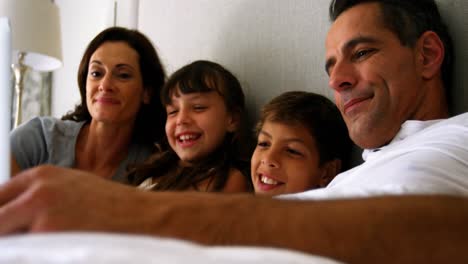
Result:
<point x="36" y="42"/>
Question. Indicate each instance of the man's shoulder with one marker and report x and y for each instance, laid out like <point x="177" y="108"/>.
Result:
<point x="461" y="119"/>
<point x="454" y="125"/>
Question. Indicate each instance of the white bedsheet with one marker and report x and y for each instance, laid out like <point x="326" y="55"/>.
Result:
<point x="97" y="248"/>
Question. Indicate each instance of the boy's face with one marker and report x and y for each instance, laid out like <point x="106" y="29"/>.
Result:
<point x="285" y="160"/>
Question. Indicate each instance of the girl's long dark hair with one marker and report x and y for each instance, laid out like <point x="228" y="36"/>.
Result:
<point x="199" y="77"/>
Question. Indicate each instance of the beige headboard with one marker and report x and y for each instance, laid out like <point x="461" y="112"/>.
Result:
<point x="271" y="45"/>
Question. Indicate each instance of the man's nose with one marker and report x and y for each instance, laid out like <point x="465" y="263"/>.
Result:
<point x="342" y="76"/>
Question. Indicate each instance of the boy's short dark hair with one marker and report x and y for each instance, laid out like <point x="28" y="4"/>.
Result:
<point x="319" y="116"/>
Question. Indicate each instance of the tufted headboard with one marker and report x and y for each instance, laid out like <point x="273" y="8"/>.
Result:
<point x="271" y="45"/>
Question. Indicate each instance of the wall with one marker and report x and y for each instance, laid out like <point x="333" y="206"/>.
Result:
<point x="80" y="22"/>
<point x="271" y="45"/>
<point x="278" y="52"/>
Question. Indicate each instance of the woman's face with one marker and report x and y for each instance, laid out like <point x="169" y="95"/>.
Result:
<point x="285" y="160"/>
<point x="114" y="85"/>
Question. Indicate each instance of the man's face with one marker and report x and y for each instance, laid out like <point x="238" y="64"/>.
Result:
<point x="376" y="81"/>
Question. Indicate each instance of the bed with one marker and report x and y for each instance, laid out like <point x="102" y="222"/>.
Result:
<point x="100" y="248"/>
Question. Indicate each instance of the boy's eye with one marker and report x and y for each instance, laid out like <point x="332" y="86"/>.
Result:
<point x="263" y="144"/>
<point x="294" y="152"/>
<point x="171" y="112"/>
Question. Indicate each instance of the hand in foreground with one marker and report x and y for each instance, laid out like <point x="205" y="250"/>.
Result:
<point x="50" y="198"/>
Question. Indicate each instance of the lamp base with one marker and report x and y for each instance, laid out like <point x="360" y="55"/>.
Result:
<point x="19" y="70"/>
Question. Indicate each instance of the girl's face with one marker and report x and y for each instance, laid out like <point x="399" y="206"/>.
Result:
<point x="286" y="160"/>
<point x="197" y="124"/>
<point x="114" y="86"/>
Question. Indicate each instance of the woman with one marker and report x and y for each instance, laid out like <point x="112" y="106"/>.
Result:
<point x="119" y="118"/>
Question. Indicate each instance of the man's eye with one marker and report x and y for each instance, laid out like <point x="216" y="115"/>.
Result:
<point x="362" y="53"/>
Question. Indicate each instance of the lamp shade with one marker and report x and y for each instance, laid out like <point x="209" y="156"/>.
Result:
<point x="35" y="31"/>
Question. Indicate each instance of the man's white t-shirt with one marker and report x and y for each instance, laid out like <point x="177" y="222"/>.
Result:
<point x="425" y="157"/>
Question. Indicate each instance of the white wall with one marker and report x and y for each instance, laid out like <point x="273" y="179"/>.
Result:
<point x="271" y="45"/>
<point x="80" y="22"/>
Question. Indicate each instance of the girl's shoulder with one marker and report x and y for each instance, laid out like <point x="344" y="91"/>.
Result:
<point x="236" y="182"/>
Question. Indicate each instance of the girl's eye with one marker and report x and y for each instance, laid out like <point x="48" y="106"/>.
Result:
<point x="262" y="144"/>
<point x="199" y="108"/>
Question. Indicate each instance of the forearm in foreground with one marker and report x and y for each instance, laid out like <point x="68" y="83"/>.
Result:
<point x="409" y="229"/>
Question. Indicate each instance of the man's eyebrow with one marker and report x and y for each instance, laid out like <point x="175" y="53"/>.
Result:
<point x="348" y="46"/>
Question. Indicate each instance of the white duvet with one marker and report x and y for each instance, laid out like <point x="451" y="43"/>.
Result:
<point x="97" y="248"/>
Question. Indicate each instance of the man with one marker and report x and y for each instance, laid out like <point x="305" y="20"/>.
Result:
<point x="380" y="82"/>
<point x="387" y="66"/>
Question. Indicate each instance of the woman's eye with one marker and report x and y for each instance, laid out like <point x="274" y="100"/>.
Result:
<point x="94" y="74"/>
<point x="124" y="75"/>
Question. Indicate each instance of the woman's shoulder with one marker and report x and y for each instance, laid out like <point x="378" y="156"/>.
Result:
<point x="48" y="128"/>
<point x="51" y="123"/>
<point x="55" y="125"/>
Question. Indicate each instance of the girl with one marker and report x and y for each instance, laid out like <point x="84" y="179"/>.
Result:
<point x="303" y="143"/>
<point x="204" y="105"/>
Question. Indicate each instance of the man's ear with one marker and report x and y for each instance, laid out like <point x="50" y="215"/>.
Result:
<point x="329" y="170"/>
<point x="146" y="95"/>
<point x="234" y="121"/>
<point x="432" y="53"/>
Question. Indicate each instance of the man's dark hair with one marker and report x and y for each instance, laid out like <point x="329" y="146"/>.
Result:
<point x="409" y="19"/>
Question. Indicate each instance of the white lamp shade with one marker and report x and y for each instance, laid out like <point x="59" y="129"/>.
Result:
<point x="35" y="31"/>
